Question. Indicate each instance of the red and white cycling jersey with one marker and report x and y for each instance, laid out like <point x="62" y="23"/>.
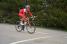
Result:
<point x="22" y="13"/>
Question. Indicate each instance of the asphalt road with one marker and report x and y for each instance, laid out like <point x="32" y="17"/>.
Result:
<point x="8" y="35"/>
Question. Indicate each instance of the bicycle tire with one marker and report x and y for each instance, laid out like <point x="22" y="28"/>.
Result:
<point x="19" y="27"/>
<point x="31" y="29"/>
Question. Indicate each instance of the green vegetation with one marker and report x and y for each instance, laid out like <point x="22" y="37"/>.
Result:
<point x="51" y="13"/>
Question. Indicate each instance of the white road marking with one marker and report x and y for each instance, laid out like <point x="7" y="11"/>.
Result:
<point x="29" y="40"/>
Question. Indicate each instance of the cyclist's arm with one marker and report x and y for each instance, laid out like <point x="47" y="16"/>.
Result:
<point x="30" y="13"/>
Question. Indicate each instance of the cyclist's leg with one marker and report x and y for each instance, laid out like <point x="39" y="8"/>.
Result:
<point x="28" y="21"/>
<point x="21" y="19"/>
<point x="22" y="23"/>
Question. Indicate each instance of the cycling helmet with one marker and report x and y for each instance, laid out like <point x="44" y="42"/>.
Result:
<point x="27" y="6"/>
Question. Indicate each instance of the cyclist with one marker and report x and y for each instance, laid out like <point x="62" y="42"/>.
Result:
<point x="22" y="14"/>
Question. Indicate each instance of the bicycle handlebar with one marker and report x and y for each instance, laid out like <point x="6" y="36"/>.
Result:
<point x="33" y="17"/>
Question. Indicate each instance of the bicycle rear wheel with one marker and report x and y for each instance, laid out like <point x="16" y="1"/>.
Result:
<point x="31" y="29"/>
<point x="19" y="27"/>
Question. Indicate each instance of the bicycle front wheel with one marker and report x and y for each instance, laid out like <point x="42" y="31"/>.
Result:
<point x="31" y="29"/>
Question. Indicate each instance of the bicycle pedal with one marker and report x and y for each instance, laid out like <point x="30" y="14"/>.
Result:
<point x="23" y="27"/>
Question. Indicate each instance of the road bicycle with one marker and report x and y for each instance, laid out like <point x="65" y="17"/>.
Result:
<point x="24" y="25"/>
